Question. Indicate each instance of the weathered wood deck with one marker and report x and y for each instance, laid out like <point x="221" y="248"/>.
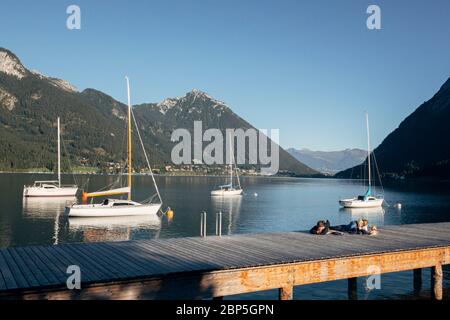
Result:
<point x="219" y="266"/>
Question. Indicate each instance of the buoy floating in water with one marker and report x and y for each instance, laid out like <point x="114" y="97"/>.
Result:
<point x="398" y="205"/>
<point x="169" y="213"/>
<point x="255" y="194"/>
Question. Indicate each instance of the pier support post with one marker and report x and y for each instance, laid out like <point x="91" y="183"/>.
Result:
<point x="417" y="280"/>
<point x="286" y="293"/>
<point x="436" y="282"/>
<point x="203" y="224"/>
<point x="353" y="289"/>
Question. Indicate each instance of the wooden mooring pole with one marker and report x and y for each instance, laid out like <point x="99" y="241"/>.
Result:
<point x="417" y="280"/>
<point x="353" y="289"/>
<point x="436" y="282"/>
<point x="286" y="293"/>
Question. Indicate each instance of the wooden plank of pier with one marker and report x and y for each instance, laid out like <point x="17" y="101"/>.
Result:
<point x="221" y="266"/>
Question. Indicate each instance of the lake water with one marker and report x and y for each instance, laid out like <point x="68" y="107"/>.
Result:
<point x="268" y="204"/>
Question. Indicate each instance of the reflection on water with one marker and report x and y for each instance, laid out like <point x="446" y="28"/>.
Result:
<point x="113" y="228"/>
<point x="230" y="208"/>
<point x="150" y="221"/>
<point x="47" y="208"/>
<point x="374" y="215"/>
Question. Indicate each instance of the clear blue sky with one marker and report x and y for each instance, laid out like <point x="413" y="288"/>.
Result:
<point x="309" y="68"/>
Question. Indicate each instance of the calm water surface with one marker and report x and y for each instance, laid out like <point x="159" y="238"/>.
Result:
<point x="269" y="204"/>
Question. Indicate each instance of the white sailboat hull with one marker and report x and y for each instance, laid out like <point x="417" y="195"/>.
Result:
<point x="356" y="203"/>
<point x="152" y="221"/>
<point x="100" y="210"/>
<point x="226" y="193"/>
<point x="50" y="192"/>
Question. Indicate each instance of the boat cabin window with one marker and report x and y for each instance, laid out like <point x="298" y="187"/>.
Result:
<point x="361" y="198"/>
<point x="121" y="204"/>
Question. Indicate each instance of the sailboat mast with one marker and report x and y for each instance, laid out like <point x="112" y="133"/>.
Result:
<point x="231" y="162"/>
<point x="368" y="151"/>
<point x="129" y="138"/>
<point x="59" y="154"/>
<point x="237" y="176"/>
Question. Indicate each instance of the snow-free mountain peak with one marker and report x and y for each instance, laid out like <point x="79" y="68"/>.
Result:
<point x="196" y="95"/>
<point x="194" y="100"/>
<point x="11" y="65"/>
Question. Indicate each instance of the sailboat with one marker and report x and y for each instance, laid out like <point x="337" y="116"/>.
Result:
<point x="119" y="207"/>
<point x="368" y="200"/>
<point x="229" y="189"/>
<point x="52" y="188"/>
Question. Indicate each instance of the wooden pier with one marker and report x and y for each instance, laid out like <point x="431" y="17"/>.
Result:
<point x="214" y="267"/>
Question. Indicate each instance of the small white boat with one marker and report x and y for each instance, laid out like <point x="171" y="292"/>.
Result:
<point x="117" y="207"/>
<point x="229" y="189"/>
<point x="368" y="200"/>
<point x="51" y="188"/>
<point x="362" y="202"/>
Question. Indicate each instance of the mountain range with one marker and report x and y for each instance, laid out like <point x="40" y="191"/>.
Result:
<point x="93" y="123"/>
<point x="329" y="162"/>
<point x="420" y="146"/>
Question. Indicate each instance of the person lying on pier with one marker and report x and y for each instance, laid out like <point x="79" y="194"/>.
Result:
<point x="360" y="226"/>
<point x="322" y="227"/>
<point x="354" y="227"/>
<point x="363" y="228"/>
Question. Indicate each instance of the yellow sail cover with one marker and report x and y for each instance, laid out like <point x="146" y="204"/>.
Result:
<point x="111" y="192"/>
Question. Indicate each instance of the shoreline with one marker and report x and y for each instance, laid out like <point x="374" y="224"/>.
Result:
<point x="169" y="175"/>
<point x="386" y="180"/>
